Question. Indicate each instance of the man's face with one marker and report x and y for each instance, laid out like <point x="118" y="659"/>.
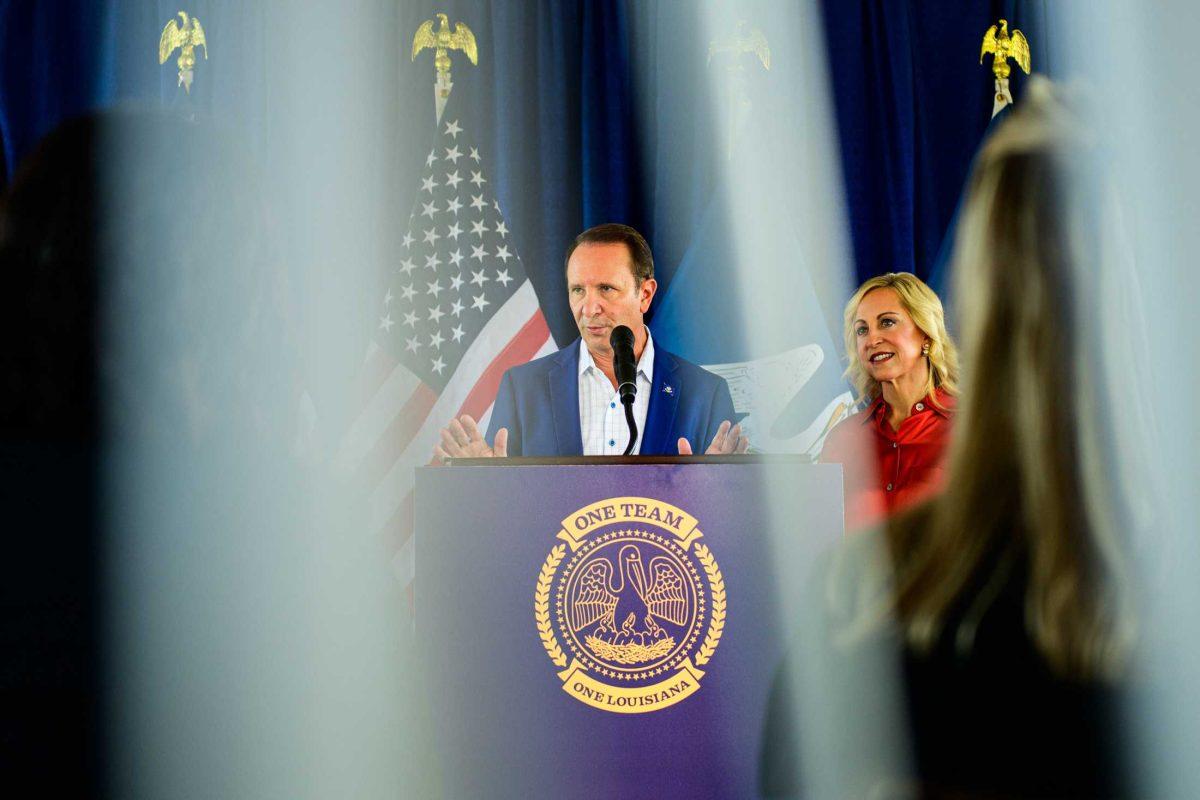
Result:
<point x="603" y="293"/>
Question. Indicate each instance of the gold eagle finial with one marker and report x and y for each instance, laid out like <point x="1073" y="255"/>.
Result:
<point x="1003" y="47"/>
<point x="188" y="37"/>
<point x="442" y="40"/>
<point x="745" y="40"/>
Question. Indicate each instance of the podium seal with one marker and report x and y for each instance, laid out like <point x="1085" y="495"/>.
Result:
<point x="630" y="605"/>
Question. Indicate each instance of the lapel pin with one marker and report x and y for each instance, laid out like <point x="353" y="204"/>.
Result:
<point x="668" y="389"/>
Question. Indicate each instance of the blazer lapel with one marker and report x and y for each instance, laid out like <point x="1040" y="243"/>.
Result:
<point x="664" y="400"/>
<point x="563" y="387"/>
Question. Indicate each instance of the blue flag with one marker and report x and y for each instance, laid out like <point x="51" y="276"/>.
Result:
<point x="742" y="303"/>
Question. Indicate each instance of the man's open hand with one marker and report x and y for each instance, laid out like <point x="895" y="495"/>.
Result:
<point x="728" y="441"/>
<point x="462" y="439"/>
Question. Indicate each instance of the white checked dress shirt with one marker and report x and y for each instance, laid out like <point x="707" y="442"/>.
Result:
<point x="601" y="416"/>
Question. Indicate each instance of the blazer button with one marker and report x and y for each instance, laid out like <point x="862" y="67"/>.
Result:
<point x="919" y="406"/>
<point x="889" y="488"/>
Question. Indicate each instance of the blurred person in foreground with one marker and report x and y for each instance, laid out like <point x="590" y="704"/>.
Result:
<point x="163" y="579"/>
<point x="568" y="403"/>
<point x="978" y="646"/>
<point x="904" y="364"/>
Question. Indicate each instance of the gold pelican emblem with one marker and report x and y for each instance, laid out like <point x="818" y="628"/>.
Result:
<point x="186" y="37"/>
<point x="627" y="632"/>
<point x="1003" y="47"/>
<point x="443" y="40"/>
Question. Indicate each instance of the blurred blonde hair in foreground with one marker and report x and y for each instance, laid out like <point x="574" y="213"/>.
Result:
<point x="925" y="308"/>
<point x="1035" y="480"/>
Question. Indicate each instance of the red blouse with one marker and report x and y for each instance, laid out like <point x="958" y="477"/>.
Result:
<point x="886" y="470"/>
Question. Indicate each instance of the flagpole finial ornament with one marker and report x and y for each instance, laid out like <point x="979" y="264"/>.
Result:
<point x="744" y="40"/>
<point x="442" y="40"/>
<point x="733" y="91"/>
<point x="186" y="38"/>
<point x="1002" y="46"/>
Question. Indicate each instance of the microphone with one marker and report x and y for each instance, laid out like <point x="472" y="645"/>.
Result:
<point x="624" y="364"/>
<point x="625" y="370"/>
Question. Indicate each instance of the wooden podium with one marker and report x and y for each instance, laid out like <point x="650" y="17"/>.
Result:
<point x="609" y="627"/>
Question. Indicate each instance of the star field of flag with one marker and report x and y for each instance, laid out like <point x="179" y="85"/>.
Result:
<point x="456" y="265"/>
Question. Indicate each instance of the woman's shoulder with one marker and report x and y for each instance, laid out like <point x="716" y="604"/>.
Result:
<point x="943" y="400"/>
<point x="846" y="436"/>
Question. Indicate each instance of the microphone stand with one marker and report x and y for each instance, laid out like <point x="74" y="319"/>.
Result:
<point x="633" y="431"/>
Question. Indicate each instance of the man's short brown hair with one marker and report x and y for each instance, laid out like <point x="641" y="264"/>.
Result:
<point x="641" y="261"/>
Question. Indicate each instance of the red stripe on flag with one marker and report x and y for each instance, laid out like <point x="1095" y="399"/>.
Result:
<point x="521" y="348"/>
<point x="375" y="371"/>
<point x="400" y="527"/>
<point x="399" y="434"/>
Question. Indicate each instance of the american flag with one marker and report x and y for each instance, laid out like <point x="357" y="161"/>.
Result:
<point x="456" y="310"/>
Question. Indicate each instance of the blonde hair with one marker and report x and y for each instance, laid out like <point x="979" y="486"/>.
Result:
<point x="1032" y="485"/>
<point x="921" y="304"/>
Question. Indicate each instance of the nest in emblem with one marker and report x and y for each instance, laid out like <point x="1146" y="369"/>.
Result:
<point x="631" y="644"/>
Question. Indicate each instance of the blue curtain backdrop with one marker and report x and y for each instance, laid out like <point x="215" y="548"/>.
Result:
<point x="593" y="111"/>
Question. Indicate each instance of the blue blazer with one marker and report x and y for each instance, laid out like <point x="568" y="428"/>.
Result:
<point x="539" y="404"/>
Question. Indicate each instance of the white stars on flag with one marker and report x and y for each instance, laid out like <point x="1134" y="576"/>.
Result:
<point x="459" y="280"/>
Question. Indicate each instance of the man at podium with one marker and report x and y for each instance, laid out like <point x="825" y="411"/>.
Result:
<point x="568" y="403"/>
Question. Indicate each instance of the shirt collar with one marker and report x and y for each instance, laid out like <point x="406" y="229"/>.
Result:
<point x="645" y="363"/>
<point x="946" y="401"/>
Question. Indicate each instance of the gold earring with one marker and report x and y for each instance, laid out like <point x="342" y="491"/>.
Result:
<point x="925" y="349"/>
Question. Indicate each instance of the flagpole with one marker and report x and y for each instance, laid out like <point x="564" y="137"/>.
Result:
<point x="441" y="92"/>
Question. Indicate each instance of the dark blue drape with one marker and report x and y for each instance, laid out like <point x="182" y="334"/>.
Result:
<point x="592" y="111"/>
<point x="913" y="103"/>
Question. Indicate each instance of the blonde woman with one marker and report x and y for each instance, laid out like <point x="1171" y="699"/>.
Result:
<point x="1009" y="594"/>
<point x="903" y="363"/>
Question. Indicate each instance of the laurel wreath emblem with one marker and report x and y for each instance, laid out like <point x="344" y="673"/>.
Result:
<point x="716" y="625"/>
<point x="541" y="605"/>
